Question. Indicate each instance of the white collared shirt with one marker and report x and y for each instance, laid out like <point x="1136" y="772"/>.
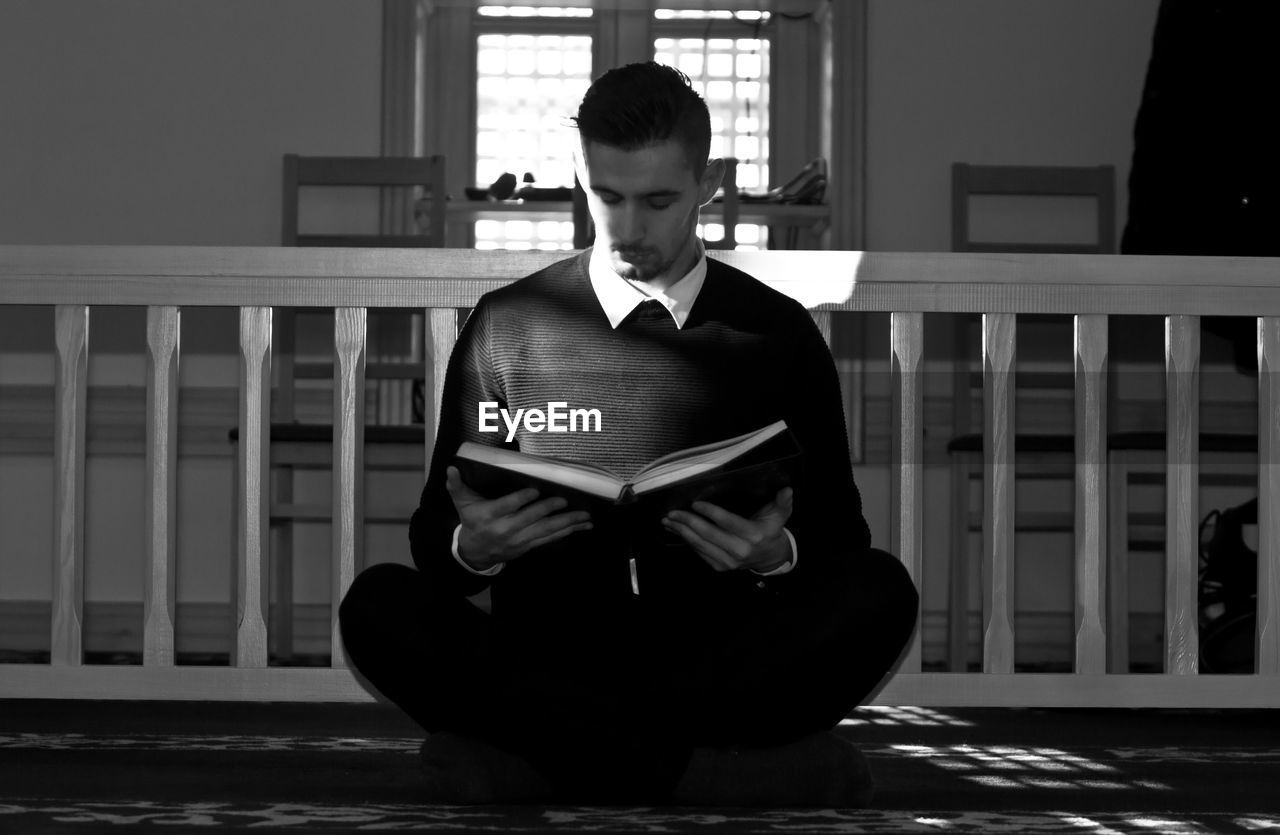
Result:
<point x="619" y="296"/>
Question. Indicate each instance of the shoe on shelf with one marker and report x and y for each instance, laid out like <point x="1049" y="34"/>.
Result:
<point x="819" y="771"/>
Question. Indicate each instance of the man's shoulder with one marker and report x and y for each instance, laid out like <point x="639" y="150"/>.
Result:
<point x="557" y="279"/>
<point x="748" y="292"/>
<point x="555" y="297"/>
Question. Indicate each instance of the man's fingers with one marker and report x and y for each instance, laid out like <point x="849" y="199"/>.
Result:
<point x="558" y="534"/>
<point x="730" y="533"/>
<point x="458" y="488"/>
<point x="712" y="554"/>
<point x="779" y="509"/>
<point x="463" y="495"/>
<point x="543" y="509"/>
<point x="731" y="522"/>
<point x="513" y="502"/>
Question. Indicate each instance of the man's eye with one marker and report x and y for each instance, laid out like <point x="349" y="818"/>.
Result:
<point x="610" y="199"/>
<point x="661" y="204"/>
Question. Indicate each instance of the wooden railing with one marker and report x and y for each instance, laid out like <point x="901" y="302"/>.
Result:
<point x="167" y="280"/>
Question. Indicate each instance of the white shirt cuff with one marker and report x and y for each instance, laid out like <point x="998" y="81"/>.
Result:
<point x="492" y="570"/>
<point x="786" y="566"/>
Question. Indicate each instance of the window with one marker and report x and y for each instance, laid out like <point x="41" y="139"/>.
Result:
<point x="534" y="63"/>
<point x="533" y="11"/>
<point x="726" y="56"/>
<point x="530" y="75"/>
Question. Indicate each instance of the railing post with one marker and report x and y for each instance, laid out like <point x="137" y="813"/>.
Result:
<point x="1091" y="493"/>
<point x="906" y="466"/>
<point x="999" y="332"/>
<point x="350" y="330"/>
<point x="1182" y="509"/>
<point x="1268" y="640"/>
<point x="442" y="323"/>
<point x="250" y="649"/>
<point x="71" y="336"/>
<point x="163" y="333"/>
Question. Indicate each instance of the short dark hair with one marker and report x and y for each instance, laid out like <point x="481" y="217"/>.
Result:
<point x="639" y="104"/>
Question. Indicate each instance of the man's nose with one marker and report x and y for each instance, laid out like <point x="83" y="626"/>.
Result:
<point x="628" y="224"/>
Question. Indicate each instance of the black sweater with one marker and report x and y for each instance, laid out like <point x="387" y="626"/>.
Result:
<point x="746" y="356"/>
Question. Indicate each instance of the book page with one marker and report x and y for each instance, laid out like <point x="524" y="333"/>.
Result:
<point x="572" y="474"/>
<point x="685" y="463"/>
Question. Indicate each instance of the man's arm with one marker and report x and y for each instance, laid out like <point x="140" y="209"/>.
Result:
<point x="458" y="537"/>
<point x="828" y="521"/>
<point x="824" y="518"/>
<point x="468" y="380"/>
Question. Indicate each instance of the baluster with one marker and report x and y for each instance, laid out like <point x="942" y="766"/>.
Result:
<point x="1091" y="498"/>
<point x="443" y="325"/>
<point x="163" y="332"/>
<point x="1268" y="649"/>
<point x="350" y="330"/>
<point x="998" y="333"/>
<point x="1182" y="511"/>
<point x="71" y="335"/>
<point x="906" y="494"/>
<point x="251" y="590"/>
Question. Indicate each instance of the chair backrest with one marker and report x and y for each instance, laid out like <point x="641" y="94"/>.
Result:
<point x="1029" y="181"/>
<point x="427" y="209"/>
<point x="413" y="200"/>
<point x="1098" y="182"/>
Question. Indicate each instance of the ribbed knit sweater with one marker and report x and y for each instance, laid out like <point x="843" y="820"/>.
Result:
<point x="746" y="356"/>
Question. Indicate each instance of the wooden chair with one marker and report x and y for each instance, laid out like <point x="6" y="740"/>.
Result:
<point x="412" y="213"/>
<point x="1134" y="457"/>
<point x="1041" y="455"/>
<point x="401" y="213"/>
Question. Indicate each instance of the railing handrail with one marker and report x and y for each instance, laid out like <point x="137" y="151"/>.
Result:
<point x="903" y="285"/>
<point x="827" y="280"/>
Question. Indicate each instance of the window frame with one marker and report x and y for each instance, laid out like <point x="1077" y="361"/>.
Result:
<point x="801" y="58"/>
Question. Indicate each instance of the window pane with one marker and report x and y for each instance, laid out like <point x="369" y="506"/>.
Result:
<point x="527" y="88"/>
<point x="533" y="11"/>
<point x="732" y="74"/>
<point x="698" y="14"/>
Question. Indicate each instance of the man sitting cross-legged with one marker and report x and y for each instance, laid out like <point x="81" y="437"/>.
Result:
<point x="704" y="664"/>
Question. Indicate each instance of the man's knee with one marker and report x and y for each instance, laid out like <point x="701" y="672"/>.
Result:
<point x="894" y="584"/>
<point x="373" y="593"/>
<point x="875" y="596"/>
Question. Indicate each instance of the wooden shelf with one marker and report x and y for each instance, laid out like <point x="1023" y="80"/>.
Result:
<point x="814" y="216"/>
<point x="509" y="210"/>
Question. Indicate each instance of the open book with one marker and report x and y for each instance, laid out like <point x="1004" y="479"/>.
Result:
<point x="740" y="474"/>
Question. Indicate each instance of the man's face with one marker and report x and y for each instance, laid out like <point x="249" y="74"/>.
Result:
<point x="645" y="206"/>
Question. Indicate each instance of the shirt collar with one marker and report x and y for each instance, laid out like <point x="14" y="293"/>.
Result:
<point x="619" y="297"/>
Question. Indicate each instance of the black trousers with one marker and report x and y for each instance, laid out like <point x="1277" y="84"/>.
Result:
<point x="612" y="709"/>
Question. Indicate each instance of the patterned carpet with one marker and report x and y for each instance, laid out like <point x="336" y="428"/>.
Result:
<point x="105" y="766"/>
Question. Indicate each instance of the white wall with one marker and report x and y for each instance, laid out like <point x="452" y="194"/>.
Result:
<point x="1019" y="82"/>
<point x="163" y="121"/>
<point x="158" y="122"/>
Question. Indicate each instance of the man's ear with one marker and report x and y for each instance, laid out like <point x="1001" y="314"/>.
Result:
<point x="712" y="175"/>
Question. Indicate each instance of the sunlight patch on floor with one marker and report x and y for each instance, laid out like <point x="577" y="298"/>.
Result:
<point x="916" y="717"/>
<point x="1011" y="767"/>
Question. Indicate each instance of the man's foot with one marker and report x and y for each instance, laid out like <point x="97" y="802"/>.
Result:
<point x="463" y="770"/>
<point x="822" y="770"/>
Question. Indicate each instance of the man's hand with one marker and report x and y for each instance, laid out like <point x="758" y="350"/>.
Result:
<point x="728" y="542"/>
<point x="499" y="530"/>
